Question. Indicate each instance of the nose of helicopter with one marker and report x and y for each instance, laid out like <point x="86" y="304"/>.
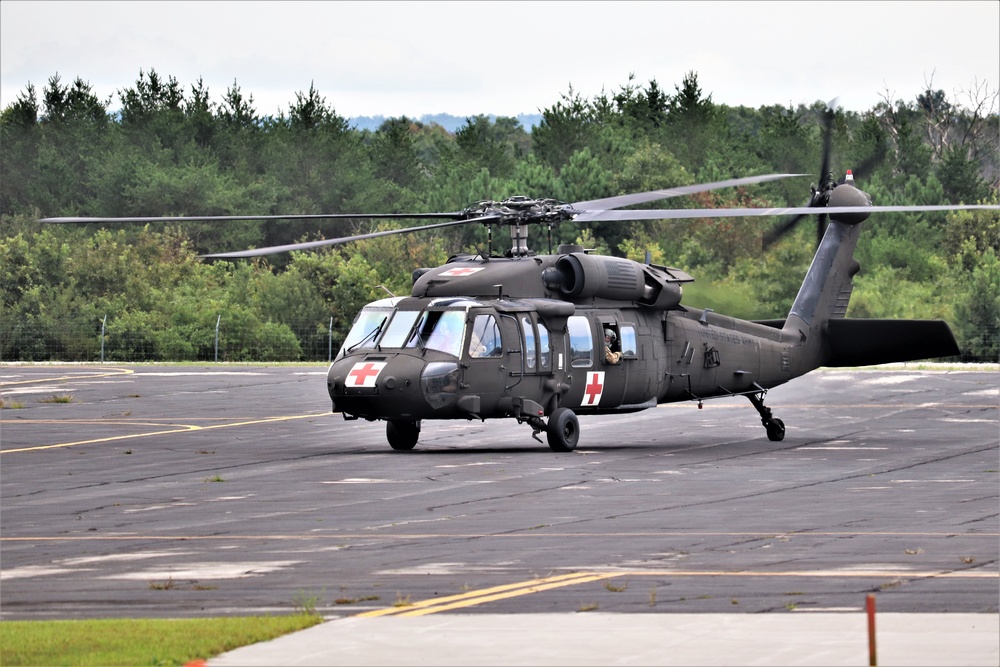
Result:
<point x="391" y="386"/>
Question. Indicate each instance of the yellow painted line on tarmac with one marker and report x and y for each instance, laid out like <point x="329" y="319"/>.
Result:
<point x="103" y="374"/>
<point x="473" y="598"/>
<point x="186" y="428"/>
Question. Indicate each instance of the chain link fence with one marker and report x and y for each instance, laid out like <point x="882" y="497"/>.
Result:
<point x="241" y="341"/>
<point x="225" y="342"/>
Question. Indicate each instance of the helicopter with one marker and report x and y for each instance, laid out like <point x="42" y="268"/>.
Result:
<point x="546" y="338"/>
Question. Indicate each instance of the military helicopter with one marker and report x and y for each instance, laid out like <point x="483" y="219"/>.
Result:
<point x="546" y="338"/>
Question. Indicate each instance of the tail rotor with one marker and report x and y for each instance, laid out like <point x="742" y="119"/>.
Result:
<point x="820" y="194"/>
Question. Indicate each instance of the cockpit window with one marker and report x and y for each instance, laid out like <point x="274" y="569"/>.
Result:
<point x="485" y="341"/>
<point x="543" y="345"/>
<point x="399" y="328"/>
<point x="440" y="330"/>
<point x="529" y="342"/>
<point x="366" y="328"/>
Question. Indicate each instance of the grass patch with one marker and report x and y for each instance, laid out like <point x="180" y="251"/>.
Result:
<point x="54" y="398"/>
<point x="115" y="642"/>
<point x="616" y="589"/>
<point x="10" y="405"/>
<point x="305" y="603"/>
<point x="366" y="598"/>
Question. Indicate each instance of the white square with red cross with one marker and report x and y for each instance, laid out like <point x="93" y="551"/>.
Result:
<point x="364" y="374"/>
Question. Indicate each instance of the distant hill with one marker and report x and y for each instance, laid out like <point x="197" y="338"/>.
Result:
<point x="447" y="121"/>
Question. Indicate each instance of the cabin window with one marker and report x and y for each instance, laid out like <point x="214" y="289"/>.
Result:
<point x="485" y="340"/>
<point x="529" y="343"/>
<point x="628" y="339"/>
<point x="581" y="342"/>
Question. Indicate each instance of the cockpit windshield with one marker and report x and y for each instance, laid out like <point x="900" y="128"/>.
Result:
<point x="399" y="328"/>
<point x="387" y="328"/>
<point x="366" y="329"/>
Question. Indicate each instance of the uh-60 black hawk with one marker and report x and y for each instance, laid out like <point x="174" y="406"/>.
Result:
<point x="522" y="335"/>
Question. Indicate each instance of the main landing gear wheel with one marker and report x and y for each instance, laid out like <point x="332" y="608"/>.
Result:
<point x="563" y="430"/>
<point x="402" y="435"/>
<point x="774" y="426"/>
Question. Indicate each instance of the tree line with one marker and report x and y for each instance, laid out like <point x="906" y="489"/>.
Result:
<point x="164" y="149"/>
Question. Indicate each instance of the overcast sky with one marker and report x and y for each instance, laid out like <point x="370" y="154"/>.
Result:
<point x="506" y="58"/>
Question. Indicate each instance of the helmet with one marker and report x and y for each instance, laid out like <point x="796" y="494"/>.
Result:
<point x="608" y="333"/>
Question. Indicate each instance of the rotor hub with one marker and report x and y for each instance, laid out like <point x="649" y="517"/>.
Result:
<point x="518" y="212"/>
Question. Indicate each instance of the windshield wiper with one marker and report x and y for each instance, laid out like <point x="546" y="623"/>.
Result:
<point x="372" y="335"/>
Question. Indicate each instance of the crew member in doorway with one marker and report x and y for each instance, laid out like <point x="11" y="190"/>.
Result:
<point x="610" y="343"/>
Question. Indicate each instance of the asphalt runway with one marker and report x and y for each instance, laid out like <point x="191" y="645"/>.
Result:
<point x="183" y="491"/>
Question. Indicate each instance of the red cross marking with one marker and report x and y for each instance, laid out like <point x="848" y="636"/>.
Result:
<point x="460" y="271"/>
<point x="595" y="387"/>
<point x="363" y="375"/>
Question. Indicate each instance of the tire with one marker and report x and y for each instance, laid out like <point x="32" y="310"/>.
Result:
<point x="563" y="430"/>
<point x="776" y="430"/>
<point x="402" y="435"/>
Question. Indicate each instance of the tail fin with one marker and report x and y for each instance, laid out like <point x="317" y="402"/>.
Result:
<point x="866" y="342"/>
<point x="826" y="290"/>
<point x="817" y="317"/>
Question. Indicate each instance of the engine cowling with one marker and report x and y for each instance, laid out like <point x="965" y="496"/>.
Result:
<point x="579" y="276"/>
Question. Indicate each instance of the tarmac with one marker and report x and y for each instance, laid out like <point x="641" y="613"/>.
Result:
<point x="825" y="639"/>
<point x="515" y="555"/>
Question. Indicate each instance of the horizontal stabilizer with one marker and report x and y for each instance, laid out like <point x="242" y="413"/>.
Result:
<point x="860" y="342"/>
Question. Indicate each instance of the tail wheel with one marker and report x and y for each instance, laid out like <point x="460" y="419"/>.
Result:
<point x="402" y="435"/>
<point x="563" y="430"/>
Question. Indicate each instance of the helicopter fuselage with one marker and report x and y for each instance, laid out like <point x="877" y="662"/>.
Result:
<point x="552" y="336"/>
<point x="523" y="337"/>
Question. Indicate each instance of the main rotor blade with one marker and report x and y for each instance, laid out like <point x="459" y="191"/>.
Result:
<point x="458" y="215"/>
<point x="679" y="214"/>
<point x="653" y="195"/>
<point x="274" y="250"/>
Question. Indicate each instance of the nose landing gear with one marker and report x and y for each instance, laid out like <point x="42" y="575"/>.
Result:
<point x="402" y="435"/>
